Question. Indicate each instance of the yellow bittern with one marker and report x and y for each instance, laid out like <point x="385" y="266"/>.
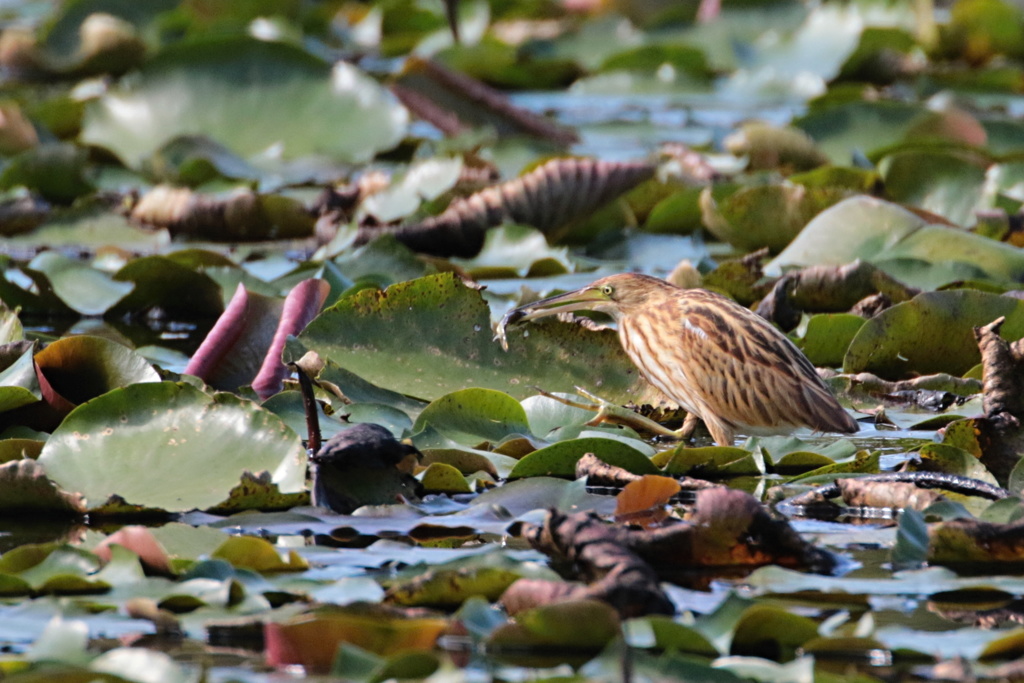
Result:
<point x="721" y="362"/>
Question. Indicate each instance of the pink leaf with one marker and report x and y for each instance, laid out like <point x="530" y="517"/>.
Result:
<point x="301" y="306"/>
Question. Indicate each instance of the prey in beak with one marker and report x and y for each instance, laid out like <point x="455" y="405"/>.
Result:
<point x="589" y="298"/>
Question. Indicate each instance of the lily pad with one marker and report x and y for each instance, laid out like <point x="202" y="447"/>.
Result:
<point x="82" y="367"/>
<point x="877" y="231"/>
<point x="83" y="288"/>
<point x="432" y="336"/>
<point x="442" y="478"/>
<point x="827" y="337"/>
<point x="470" y="416"/>
<point x="766" y="216"/>
<point x="931" y="333"/>
<point x="18" y="383"/>
<point x="559" y="460"/>
<point x="160" y="282"/>
<point x="56" y="171"/>
<point x="561" y="632"/>
<point x="285" y="96"/>
<point x="712" y="461"/>
<point x="948" y="182"/>
<point x="170" y="446"/>
<point x="858" y="126"/>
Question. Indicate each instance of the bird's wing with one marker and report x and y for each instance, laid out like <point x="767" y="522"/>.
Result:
<point x="751" y="373"/>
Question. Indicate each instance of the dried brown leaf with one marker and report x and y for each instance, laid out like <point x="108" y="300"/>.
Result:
<point x="886" y="494"/>
<point x="526" y="594"/>
<point x="547" y="198"/>
<point x="643" y="501"/>
<point x="829" y="289"/>
<point x="243" y="215"/>
<point x="455" y="102"/>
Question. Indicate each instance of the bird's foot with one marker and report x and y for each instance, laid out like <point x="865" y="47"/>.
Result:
<point x="616" y="414"/>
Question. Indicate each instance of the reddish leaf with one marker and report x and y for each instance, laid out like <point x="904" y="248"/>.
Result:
<point x="312" y="639"/>
<point x="455" y="102"/>
<point x="643" y="501"/>
<point x="140" y="541"/>
<point x="300" y="306"/>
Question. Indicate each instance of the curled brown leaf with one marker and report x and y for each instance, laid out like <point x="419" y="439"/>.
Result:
<point x="547" y="198"/>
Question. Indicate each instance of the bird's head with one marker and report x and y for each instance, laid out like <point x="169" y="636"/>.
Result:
<point x="616" y="295"/>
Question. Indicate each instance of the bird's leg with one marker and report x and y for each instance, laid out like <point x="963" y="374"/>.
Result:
<point x="616" y="414"/>
<point x="722" y="434"/>
<point x="689" y="424"/>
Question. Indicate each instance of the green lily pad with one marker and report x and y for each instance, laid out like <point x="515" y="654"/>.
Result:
<point x="765" y="216"/>
<point x="450" y="584"/>
<point x="516" y="251"/>
<point x="771" y="632"/>
<point x="384" y="260"/>
<point x="939" y="457"/>
<point x="651" y="57"/>
<point x="670" y="634"/>
<point x="82" y="367"/>
<point x="677" y="213"/>
<point x="571" y="630"/>
<point x="712" y="461"/>
<point x="463" y="461"/>
<point x="931" y="333"/>
<point x="470" y="416"/>
<point x="858" y="126"/>
<point x="83" y="288"/>
<point x="432" y="336"/>
<point x="11" y="329"/>
<point x="170" y="446"/>
<point x="827" y="336"/>
<point x="549" y="416"/>
<point x="878" y="54"/>
<point x="258" y="554"/>
<point x="160" y="282"/>
<point x="949" y="182"/>
<point x="284" y="96"/>
<point x="18" y="383"/>
<point x="981" y="29"/>
<point x="864" y="463"/>
<point x="444" y="478"/>
<point x="559" y="460"/>
<point x="875" y="231"/>
<point x="56" y="171"/>
<point x="191" y="160"/>
<point x="54" y="568"/>
<point x="91" y="224"/>
<point x="799" y="462"/>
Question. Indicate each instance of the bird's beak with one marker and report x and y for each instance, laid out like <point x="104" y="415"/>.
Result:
<point x="578" y="300"/>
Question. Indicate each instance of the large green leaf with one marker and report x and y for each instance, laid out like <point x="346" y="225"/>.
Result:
<point x="559" y="459"/>
<point x="931" y="333"/>
<point x="83" y="366"/>
<point x="170" y="446"/>
<point x="248" y="95"/>
<point x="83" y="288"/>
<point x="18" y="383"/>
<point x="879" y="231"/>
<point x="473" y="415"/>
<point x="858" y="126"/>
<point x="764" y="216"/>
<point x="431" y="336"/>
<point x="827" y="336"/>
<point x="946" y="180"/>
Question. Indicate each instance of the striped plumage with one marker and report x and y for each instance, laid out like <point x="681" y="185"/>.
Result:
<point x="720" y="361"/>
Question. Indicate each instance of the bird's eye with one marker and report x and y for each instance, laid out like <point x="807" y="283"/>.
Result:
<point x="607" y="290"/>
